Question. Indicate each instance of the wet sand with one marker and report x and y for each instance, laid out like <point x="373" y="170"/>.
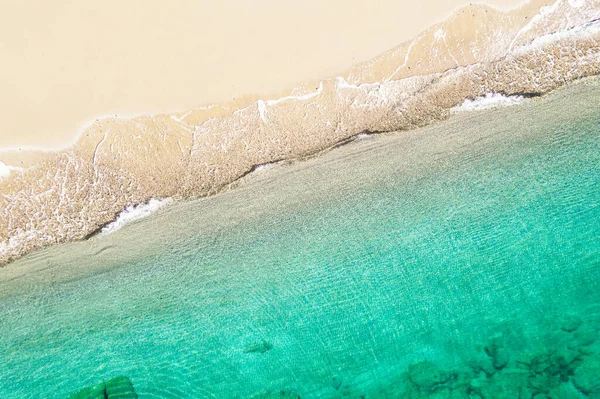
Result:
<point x="79" y="61"/>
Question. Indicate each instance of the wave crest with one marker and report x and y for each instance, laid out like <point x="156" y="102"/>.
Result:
<point x="490" y="100"/>
<point x="135" y="212"/>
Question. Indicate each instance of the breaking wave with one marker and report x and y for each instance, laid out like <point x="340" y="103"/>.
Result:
<point x="135" y="212"/>
<point x="4" y="170"/>
<point x="490" y="100"/>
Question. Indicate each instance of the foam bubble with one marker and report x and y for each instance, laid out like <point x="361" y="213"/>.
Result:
<point x="264" y="167"/>
<point x="576" y="3"/>
<point x="4" y="170"/>
<point x="135" y="212"/>
<point x="490" y="100"/>
<point x="589" y="29"/>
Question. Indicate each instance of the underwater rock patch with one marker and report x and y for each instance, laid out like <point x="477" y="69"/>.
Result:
<point x="277" y="395"/>
<point x="570" y="323"/>
<point x="425" y="375"/>
<point x="259" y="347"/>
<point x="95" y="392"/>
<point x="587" y="377"/>
<point x="586" y="336"/>
<point x="116" y="388"/>
<point x="567" y="367"/>
<point x="499" y="355"/>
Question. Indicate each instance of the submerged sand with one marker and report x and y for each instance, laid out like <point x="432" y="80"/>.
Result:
<point x="119" y="162"/>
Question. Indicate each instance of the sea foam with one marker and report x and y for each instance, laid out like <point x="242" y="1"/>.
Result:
<point x="135" y="212"/>
<point x="490" y="100"/>
<point x="4" y="170"/>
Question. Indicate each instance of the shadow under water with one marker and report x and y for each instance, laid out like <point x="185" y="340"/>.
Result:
<point x="460" y="260"/>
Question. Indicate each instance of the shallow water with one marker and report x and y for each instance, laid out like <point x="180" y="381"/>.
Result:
<point x="472" y="245"/>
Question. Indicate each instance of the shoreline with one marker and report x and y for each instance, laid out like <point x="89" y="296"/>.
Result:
<point x="60" y="263"/>
<point x="452" y="233"/>
<point x="120" y="163"/>
<point x="38" y="140"/>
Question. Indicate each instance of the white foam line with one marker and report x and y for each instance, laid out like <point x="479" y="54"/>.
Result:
<point x="490" y="100"/>
<point x="16" y="241"/>
<point x="303" y="97"/>
<point x="591" y="28"/>
<point x="98" y="147"/>
<point x="261" y="110"/>
<point x="186" y="114"/>
<point x="412" y="43"/>
<point x="263" y="105"/>
<point x="576" y="3"/>
<point x="440" y="34"/>
<point x="341" y="83"/>
<point x="262" y="168"/>
<point x="83" y="127"/>
<point x="135" y="212"/>
<point x="204" y="107"/>
<point x="4" y="170"/>
<point x="544" y="11"/>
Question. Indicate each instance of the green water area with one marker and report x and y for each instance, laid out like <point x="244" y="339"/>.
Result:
<point x="460" y="260"/>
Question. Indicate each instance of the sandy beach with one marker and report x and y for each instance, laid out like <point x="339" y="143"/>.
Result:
<point x="260" y="199"/>
<point x="272" y="101"/>
<point x="82" y="60"/>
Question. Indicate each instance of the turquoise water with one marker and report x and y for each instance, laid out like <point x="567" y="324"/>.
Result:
<point x="457" y="261"/>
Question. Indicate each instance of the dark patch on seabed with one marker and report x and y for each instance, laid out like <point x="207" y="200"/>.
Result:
<point x="116" y="388"/>
<point x="567" y="367"/>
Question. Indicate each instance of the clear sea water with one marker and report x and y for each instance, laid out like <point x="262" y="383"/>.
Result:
<point x="460" y="260"/>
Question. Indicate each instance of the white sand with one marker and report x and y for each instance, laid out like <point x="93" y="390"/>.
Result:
<point x="65" y="63"/>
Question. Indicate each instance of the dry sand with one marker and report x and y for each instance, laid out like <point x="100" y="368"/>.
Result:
<point x="66" y="63"/>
